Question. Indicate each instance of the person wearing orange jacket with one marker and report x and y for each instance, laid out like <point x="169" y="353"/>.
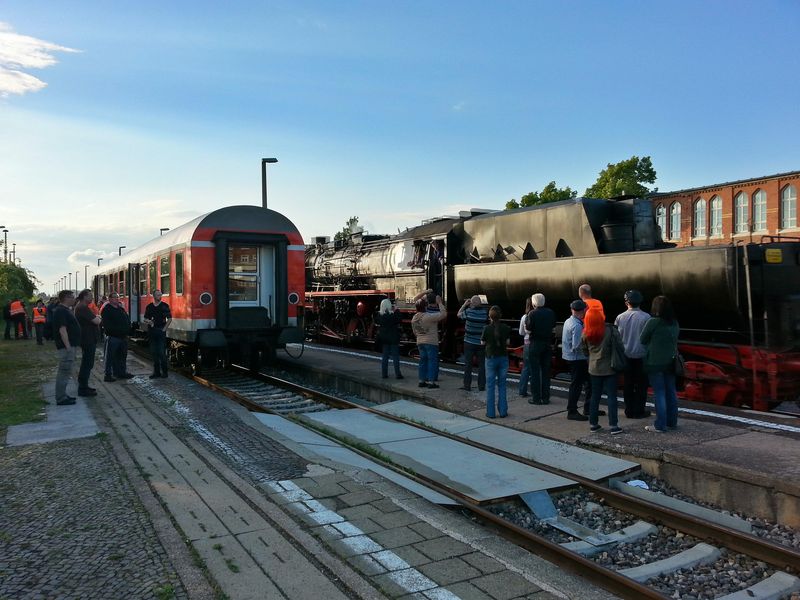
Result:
<point x="39" y="318"/>
<point x="17" y="311"/>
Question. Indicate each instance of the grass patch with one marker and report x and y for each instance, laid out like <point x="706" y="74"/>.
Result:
<point x="165" y="593"/>
<point x="24" y="367"/>
<point x="234" y="568"/>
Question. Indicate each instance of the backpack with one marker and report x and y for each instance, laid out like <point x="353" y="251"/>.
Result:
<point x="619" y="361"/>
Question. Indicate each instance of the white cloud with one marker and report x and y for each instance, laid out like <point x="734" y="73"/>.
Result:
<point x="18" y="52"/>
<point x="459" y="106"/>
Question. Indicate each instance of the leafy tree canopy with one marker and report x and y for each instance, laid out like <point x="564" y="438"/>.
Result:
<point x="345" y="233"/>
<point x="625" y="177"/>
<point x="15" y="282"/>
<point x="550" y="193"/>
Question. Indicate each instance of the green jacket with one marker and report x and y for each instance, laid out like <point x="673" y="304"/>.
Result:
<point x="661" y="340"/>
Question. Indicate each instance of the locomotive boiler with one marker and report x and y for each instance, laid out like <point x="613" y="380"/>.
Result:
<point x="738" y="305"/>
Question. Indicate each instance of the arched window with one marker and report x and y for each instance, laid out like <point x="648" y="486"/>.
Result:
<point x="788" y="207"/>
<point x="661" y="221"/>
<point x="759" y="210"/>
<point x="742" y="221"/>
<point x="716" y="216"/>
<point x="675" y="221"/>
<point x="700" y="218"/>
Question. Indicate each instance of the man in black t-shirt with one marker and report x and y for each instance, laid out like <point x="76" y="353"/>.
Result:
<point x="67" y="335"/>
<point x="90" y="333"/>
<point x="158" y="316"/>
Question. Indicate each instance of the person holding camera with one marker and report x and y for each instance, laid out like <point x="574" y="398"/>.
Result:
<point x="475" y="317"/>
<point x="158" y="317"/>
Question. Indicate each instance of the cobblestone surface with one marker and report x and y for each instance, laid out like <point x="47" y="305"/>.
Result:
<point x="71" y="526"/>
<point x="250" y="453"/>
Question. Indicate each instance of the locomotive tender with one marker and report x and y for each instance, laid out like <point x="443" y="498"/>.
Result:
<point x="738" y="305"/>
<point x="233" y="279"/>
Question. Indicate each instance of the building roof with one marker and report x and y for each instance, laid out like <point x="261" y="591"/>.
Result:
<point x="714" y="185"/>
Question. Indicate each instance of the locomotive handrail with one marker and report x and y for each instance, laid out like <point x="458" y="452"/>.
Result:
<point x="773" y="238"/>
<point x="746" y="259"/>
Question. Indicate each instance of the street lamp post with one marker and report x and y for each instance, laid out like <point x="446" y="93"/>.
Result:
<point x="76" y="280"/>
<point x="120" y="249"/>
<point x="98" y="262"/>
<point x="85" y="277"/>
<point x="5" y="245"/>
<point x="70" y="280"/>
<point x="13" y="252"/>
<point x="162" y="230"/>
<point x="264" y="162"/>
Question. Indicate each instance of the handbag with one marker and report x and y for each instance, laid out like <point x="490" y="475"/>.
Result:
<point x="679" y="365"/>
<point x="619" y="362"/>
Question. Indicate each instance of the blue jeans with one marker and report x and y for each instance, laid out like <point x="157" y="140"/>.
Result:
<point x="496" y="371"/>
<point x="665" y="398"/>
<point x="525" y="374"/>
<point x="541" y="358"/>
<point x="607" y="384"/>
<point x="428" y="361"/>
<point x="477" y="351"/>
<point x="392" y="350"/>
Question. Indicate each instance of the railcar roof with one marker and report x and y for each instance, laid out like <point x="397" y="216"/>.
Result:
<point x="229" y="218"/>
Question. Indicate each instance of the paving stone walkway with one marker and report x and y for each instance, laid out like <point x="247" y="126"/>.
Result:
<point x="71" y="526"/>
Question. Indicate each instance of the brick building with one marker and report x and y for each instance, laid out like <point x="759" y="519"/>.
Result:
<point x="728" y="212"/>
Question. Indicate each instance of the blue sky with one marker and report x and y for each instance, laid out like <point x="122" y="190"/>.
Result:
<point x="147" y="114"/>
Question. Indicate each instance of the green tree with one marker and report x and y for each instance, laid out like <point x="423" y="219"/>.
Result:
<point x="550" y="193"/>
<point x="15" y="282"/>
<point x="344" y="234"/>
<point x="625" y="177"/>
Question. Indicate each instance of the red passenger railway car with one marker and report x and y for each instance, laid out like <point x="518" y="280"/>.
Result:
<point x="234" y="280"/>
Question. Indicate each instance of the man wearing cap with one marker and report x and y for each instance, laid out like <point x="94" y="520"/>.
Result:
<point x="572" y="352"/>
<point x="539" y="325"/>
<point x="630" y="325"/>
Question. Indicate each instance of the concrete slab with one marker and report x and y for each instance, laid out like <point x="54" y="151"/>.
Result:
<point x="779" y="585"/>
<point x="472" y="472"/>
<point x="715" y="516"/>
<point x="699" y="554"/>
<point x="333" y="451"/>
<point x="61" y="423"/>
<point x="634" y="532"/>
<point x="582" y="462"/>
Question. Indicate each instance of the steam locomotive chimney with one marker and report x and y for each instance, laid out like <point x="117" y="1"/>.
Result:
<point x="264" y="162"/>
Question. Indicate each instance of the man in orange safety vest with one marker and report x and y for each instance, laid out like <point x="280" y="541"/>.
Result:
<point x="17" y="311"/>
<point x="39" y="318"/>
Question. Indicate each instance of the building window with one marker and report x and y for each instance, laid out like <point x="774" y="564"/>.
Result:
<point x="741" y="223"/>
<point x="675" y="221"/>
<point x="716" y="216"/>
<point x="760" y="210"/>
<point x="788" y="207"/>
<point x="700" y="218"/>
<point x="165" y="275"/>
<point x="661" y="221"/>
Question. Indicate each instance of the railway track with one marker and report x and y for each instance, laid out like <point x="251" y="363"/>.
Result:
<point x="263" y="393"/>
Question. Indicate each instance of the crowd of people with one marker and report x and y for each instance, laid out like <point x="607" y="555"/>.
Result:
<point x="640" y="347"/>
<point x="78" y="322"/>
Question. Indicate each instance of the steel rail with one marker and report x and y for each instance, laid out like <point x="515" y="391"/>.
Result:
<point x="606" y="578"/>
<point x="609" y="579"/>
<point x="777" y="555"/>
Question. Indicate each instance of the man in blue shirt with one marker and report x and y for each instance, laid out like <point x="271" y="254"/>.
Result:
<point x="578" y="361"/>
<point x="475" y="317"/>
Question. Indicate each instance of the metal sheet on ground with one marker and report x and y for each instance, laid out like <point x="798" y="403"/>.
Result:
<point x="474" y="473"/>
<point x="331" y="450"/>
<point x="581" y="462"/>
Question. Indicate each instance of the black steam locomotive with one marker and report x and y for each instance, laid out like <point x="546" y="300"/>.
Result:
<point x="738" y="304"/>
